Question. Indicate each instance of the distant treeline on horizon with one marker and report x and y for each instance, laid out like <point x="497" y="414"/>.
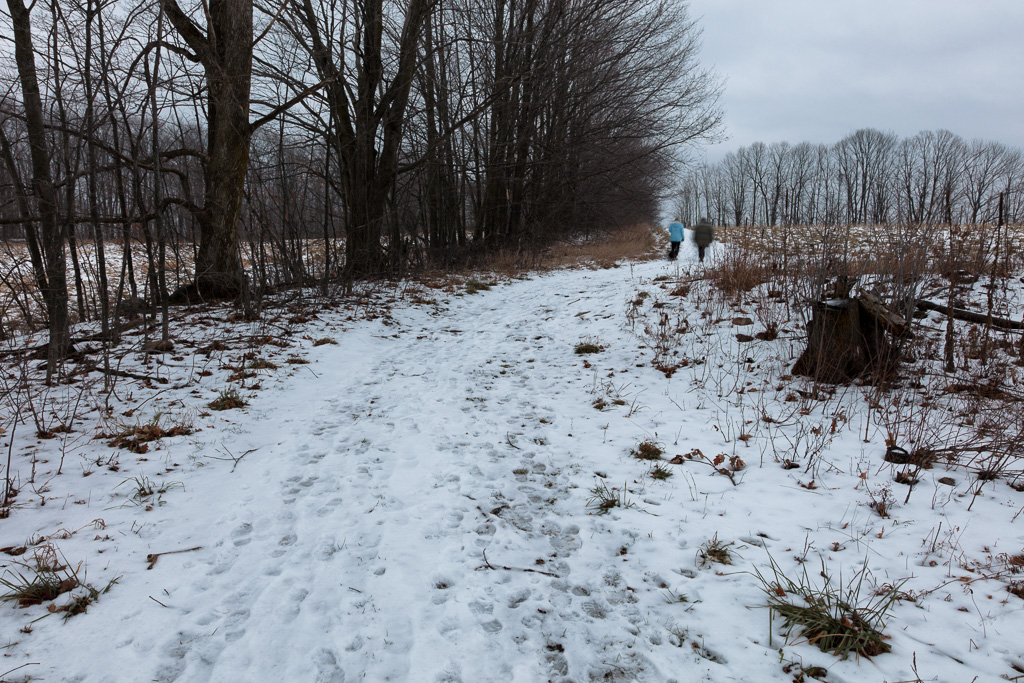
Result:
<point x="870" y="177"/>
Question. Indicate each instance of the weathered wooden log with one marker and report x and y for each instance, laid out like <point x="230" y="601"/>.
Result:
<point x="871" y="302"/>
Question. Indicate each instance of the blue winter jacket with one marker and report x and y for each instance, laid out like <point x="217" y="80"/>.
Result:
<point x="675" y="232"/>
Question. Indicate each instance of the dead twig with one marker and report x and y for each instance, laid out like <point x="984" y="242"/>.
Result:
<point x="488" y="565"/>
<point x="231" y="456"/>
<point x="123" y="373"/>
<point x="153" y="557"/>
<point x="18" y="667"/>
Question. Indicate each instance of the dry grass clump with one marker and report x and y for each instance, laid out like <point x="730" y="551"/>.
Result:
<point x="30" y="586"/>
<point x="713" y="551"/>
<point x="46" y="577"/>
<point x="474" y="286"/>
<point x="634" y="243"/>
<point x="136" y="437"/>
<point x="228" y="399"/>
<point x="587" y="346"/>
<point x="835" y="618"/>
<point x="660" y="472"/>
<point x="647" y="450"/>
<point x="262" y="364"/>
<point x="604" y="499"/>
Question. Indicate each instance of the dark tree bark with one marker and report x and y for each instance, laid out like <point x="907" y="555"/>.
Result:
<point x="225" y="51"/>
<point x="92" y="12"/>
<point x="366" y="110"/>
<point x="56" y="292"/>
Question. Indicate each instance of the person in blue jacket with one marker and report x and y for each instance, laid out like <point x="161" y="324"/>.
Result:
<point x="675" y="236"/>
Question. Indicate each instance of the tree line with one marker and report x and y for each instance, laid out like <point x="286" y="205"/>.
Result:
<point x="870" y="177"/>
<point x="177" y="151"/>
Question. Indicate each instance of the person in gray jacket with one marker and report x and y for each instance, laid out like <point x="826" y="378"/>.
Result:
<point x="703" y="236"/>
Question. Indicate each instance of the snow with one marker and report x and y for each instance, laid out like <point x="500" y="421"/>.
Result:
<point x="413" y="506"/>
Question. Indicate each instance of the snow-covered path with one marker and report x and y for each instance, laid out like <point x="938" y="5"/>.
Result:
<point x="412" y="506"/>
<point x="412" y="456"/>
<point x="413" y="512"/>
<point x="391" y="481"/>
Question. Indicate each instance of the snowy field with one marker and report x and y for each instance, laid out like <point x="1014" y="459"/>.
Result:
<point x="422" y="501"/>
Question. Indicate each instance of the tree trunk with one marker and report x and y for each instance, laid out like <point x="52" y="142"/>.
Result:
<point x="56" y="293"/>
<point x="844" y="340"/>
<point x="92" y="11"/>
<point x="226" y="56"/>
<point x="21" y="196"/>
<point x="375" y="115"/>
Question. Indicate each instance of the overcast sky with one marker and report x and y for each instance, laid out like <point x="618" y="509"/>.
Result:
<point x="817" y="70"/>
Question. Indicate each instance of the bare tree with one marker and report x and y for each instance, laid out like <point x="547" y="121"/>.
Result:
<point x="739" y="178"/>
<point x="224" y="49"/>
<point x="367" y="92"/>
<point x="56" y="293"/>
<point x="872" y="178"/>
<point x="985" y="162"/>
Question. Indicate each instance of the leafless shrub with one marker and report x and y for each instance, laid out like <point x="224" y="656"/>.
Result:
<point x="770" y="313"/>
<point x="664" y="337"/>
<point x="737" y="270"/>
<point x="882" y="501"/>
<point x="803" y="444"/>
<point x="727" y="466"/>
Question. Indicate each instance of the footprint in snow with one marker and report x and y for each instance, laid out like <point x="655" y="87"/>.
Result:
<point x="327" y="669"/>
<point x="480" y="607"/>
<point x="328" y="507"/>
<point x="556" y="660"/>
<point x="451" y="674"/>
<point x="291" y="609"/>
<point x="492" y="626"/>
<point x="441" y="584"/>
<point x="241" y="535"/>
<point x="519" y="597"/>
<point x="449" y="627"/>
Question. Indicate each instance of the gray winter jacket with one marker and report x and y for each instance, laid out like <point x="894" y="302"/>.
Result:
<point x="703" y="233"/>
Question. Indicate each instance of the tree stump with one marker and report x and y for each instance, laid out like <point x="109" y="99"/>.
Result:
<point x="846" y="339"/>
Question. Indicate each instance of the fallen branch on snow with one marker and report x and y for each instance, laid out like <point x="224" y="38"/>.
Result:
<point x="971" y="316"/>
<point x="488" y="565"/>
<point x="153" y="557"/>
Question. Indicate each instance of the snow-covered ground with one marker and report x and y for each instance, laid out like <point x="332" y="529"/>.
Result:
<point x="412" y="505"/>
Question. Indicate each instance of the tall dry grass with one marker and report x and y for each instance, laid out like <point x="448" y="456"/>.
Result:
<point x="604" y="250"/>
